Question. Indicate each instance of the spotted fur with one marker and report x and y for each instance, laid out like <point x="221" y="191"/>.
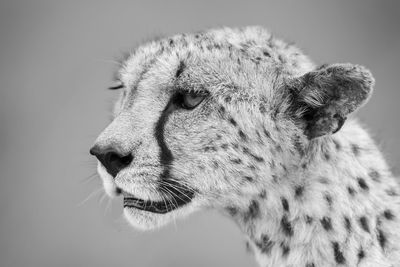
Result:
<point x="272" y="145"/>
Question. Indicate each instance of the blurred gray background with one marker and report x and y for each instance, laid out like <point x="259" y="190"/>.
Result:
<point x="56" y="60"/>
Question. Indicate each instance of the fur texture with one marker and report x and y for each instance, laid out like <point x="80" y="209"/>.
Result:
<point x="268" y="146"/>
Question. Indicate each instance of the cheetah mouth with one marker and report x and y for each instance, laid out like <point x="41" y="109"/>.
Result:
<point x="164" y="206"/>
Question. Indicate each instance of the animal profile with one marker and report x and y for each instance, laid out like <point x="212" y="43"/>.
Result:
<point x="237" y="120"/>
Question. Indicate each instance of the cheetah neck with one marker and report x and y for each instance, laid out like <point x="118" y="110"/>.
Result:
<point x="337" y="207"/>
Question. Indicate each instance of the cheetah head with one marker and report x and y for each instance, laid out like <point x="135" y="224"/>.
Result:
<point x="205" y="120"/>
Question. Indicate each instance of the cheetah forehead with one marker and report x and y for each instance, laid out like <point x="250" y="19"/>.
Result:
<point x="249" y="57"/>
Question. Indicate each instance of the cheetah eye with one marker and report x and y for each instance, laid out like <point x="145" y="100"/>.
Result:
<point x="191" y="100"/>
<point x="116" y="85"/>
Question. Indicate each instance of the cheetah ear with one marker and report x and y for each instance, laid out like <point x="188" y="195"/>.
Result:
<point x="322" y="99"/>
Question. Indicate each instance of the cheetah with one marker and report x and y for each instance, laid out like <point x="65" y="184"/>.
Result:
<point x="237" y="120"/>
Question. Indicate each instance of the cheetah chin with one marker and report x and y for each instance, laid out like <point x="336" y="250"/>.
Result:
<point x="147" y="214"/>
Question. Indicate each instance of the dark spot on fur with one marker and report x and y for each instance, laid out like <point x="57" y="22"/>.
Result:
<point x="329" y="200"/>
<point x="364" y="224"/>
<point x="252" y="167"/>
<point x="222" y="109"/>
<point x="265" y="244"/>
<point x="242" y="135"/>
<point x="360" y="254"/>
<point x="309" y="219"/>
<point x="228" y="99"/>
<point x="265" y="53"/>
<point x="283" y="167"/>
<point x="236" y="161"/>
<point x="347" y="223"/>
<point x="215" y="164"/>
<point x="310" y="264"/>
<point x="356" y="149"/>
<point x="254" y="211"/>
<point x="210" y="148"/>
<point x="362" y="183"/>
<point x="258" y="158"/>
<point x="267" y="134"/>
<point x="327" y="156"/>
<point x="248" y="152"/>
<point x="298" y="191"/>
<point x="180" y="69"/>
<point x="259" y="137"/>
<point x="326" y="223"/>
<point x="382" y="238"/>
<point x="285" y="250"/>
<point x="375" y="175"/>
<point x="339" y="258"/>
<point x="278" y="148"/>
<point x="224" y="146"/>
<point x="249" y="178"/>
<point x="232" y="121"/>
<point x="388" y="214"/>
<point x="337" y="145"/>
<point x="232" y="210"/>
<point x="285" y="204"/>
<point x="391" y="192"/>
<point x="351" y="191"/>
<point x="263" y="194"/>
<point x="286" y="226"/>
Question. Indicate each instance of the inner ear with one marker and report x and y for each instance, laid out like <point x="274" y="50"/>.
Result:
<point x="322" y="99"/>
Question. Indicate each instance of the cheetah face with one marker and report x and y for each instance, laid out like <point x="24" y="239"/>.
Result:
<point x="202" y="122"/>
<point x="171" y="149"/>
<point x="174" y="145"/>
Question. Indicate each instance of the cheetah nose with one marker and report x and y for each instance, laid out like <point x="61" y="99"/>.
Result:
<point x="111" y="159"/>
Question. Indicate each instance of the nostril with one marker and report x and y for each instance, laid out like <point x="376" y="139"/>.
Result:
<point x="111" y="159"/>
<point x="117" y="161"/>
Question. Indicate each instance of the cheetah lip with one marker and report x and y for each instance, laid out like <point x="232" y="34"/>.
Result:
<point x="161" y="207"/>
